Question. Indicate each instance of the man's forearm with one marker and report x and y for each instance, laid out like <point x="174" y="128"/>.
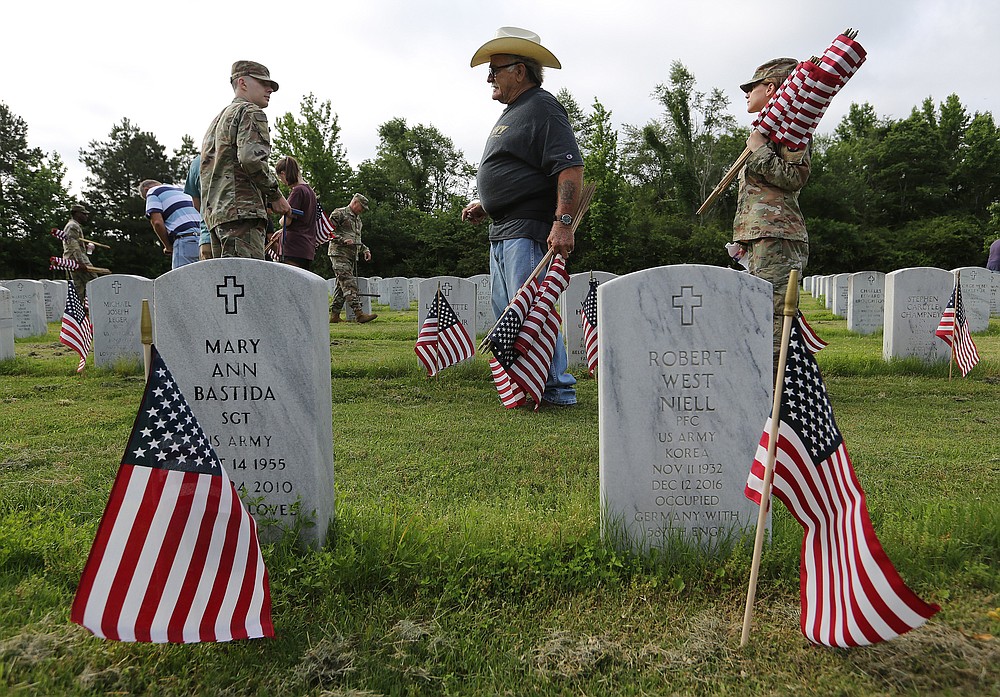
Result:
<point x="568" y="189"/>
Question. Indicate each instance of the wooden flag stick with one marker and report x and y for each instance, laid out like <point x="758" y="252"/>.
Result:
<point x="791" y="304"/>
<point x="96" y="244"/>
<point x="954" y="323"/>
<point x="726" y="181"/>
<point x="146" y="335"/>
<point x="541" y="264"/>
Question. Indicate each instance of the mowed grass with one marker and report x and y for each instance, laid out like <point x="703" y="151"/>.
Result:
<point x="466" y="555"/>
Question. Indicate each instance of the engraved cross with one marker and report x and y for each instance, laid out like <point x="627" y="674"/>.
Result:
<point x="117" y="285"/>
<point x="446" y="289"/>
<point x="230" y="293"/>
<point x="686" y="302"/>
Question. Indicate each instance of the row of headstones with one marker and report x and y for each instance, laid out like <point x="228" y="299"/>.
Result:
<point x="907" y="305"/>
<point x="26" y="308"/>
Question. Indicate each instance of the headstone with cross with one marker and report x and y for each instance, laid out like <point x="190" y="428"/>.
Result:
<point x="116" y="313"/>
<point x="484" y="302"/>
<point x="398" y="290"/>
<point x="460" y="294"/>
<point x="6" y="324"/>
<point x="915" y="299"/>
<point x="865" y="301"/>
<point x="839" y="284"/>
<point x="977" y="295"/>
<point x="28" y="300"/>
<point x="55" y="300"/>
<point x="684" y="354"/>
<point x="249" y="344"/>
<point x="571" y="304"/>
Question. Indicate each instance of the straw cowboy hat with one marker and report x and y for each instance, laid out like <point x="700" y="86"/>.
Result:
<point x="516" y="42"/>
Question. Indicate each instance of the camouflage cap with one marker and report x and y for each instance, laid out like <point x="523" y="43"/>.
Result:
<point x="774" y="70"/>
<point x="77" y="208"/>
<point x="362" y="199"/>
<point x="253" y="69"/>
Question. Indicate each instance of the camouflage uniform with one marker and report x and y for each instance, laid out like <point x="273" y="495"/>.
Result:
<point x="236" y="181"/>
<point x="344" y="259"/>
<point x="73" y="248"/>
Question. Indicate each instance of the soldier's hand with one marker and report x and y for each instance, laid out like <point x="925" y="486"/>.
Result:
<point x="280" y="206"/>
<point x="368" y="255"/>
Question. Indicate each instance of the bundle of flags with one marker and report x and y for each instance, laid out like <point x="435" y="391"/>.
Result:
<point x="953" y="329"/>
<point x="589" y="314"/>
<point x="176" y="557"/>
<point x="76" y="332"/>
<point x="57" y="233"/>
<point x="791" y="116"/>
<point x="324" y="228"/>
<point x="442" y="341"/>
<point x="524" y="339"/>
<point x="851" y="593"/>
<point x="63" y="264"/>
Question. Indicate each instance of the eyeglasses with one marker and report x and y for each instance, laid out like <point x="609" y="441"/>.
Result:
<point x="495" y="68"/>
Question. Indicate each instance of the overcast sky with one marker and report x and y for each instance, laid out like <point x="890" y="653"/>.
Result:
<point x="74" y="70"/>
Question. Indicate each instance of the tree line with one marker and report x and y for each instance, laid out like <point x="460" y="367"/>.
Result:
<point x="884" y="193"/>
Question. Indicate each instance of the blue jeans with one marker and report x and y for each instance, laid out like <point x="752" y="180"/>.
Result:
<point x="510" y="263"/>
<point x="185" y="251"/>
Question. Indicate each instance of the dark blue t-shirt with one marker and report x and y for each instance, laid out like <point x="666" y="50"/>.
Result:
<point x="530" y="144"/>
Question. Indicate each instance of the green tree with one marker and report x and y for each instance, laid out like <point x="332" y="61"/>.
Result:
<point x="181" y="160"/>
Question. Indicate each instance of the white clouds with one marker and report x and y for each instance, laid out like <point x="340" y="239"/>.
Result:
<point x="165" y="67"/>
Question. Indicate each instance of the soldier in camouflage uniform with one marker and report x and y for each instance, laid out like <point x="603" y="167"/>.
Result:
<point x="237" y="185"/>
<point x="768" y="221"/>
<point x="75" y="249"/>
<point x="343" y="253"/>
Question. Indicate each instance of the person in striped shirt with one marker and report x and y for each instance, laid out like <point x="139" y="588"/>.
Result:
<point x="175" y="220"/>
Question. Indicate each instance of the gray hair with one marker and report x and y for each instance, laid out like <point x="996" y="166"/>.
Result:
<point x="145" y="185"/>
<point x="533" y="67"/>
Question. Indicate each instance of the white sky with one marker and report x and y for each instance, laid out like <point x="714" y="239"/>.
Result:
<point x="74" y="70"/>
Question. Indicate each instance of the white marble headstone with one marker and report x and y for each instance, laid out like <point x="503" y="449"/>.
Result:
<point x="55" y="300"/>
<point x="375" y="288"/>
<point x="6" y="324"/>
<point x="807" y="284"/>
<point x="398" y="290"/>
<point x="484" y="302"/>
<point x="866" y="302"/>
<point x="116" y="314"/>
<point x="248" y="342"/>
<point x="685" y="389"/>
<point x="915" y="299"/>
<point x="414" y="286"/>
<point x="460" y="294"/>
<point x="571" y="306"/>
<point x="839" y="285"/>
<point x="977" y="295"/>
<point x="366" y="301"/>
<point x="28" y="300"/>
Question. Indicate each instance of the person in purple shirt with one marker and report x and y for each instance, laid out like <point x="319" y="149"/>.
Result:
<point x="298" y="237"/>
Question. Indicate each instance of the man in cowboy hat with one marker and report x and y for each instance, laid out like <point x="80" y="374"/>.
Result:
<point x="237" y="185"/>
<point x="529" y="180"/>
<point x="768" y="222"/>
<point x="75" y="249"/>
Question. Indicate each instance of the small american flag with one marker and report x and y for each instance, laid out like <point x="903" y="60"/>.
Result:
<point x="324" y="228"/>
<point x="63" y="264"/>
<point x="851" y="593"/>
<point x="811" y="338"/>
<point x="442" y="341"/>
<point x="954" y="331"/>
<point x="524" y="340"/>
<point x="56" y="232"/>
<point x="76" y="332"/>
<point x="589" y="313"/>
<point x="176" y="557"/>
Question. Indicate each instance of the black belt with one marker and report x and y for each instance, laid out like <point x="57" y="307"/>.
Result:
<point x="189" y="234"/>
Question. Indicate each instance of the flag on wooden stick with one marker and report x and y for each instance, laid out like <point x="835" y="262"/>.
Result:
<point x="589" y="314"/>
<point x="76" y="331"/>
<point x="324" y="228"/>
<point x="953" y="329"/>
<point x="442" y="341"/>
<point x="851" y="593"/>
<point x="176" y="557"/>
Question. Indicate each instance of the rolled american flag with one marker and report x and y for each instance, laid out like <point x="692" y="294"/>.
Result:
<point x="62" y="264"/>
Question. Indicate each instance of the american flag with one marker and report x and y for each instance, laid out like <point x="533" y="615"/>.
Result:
<point x="76" y="332"/>
<point x="442" y="341"/>
<point x="63" y="264"/>
<point x="954" y="330"/>
<point x="56" y="232"/>
<point x="811" y="338"/>
<point x="851" y="594"/>
<point x="324" y="228"/>
<point x="589" y="313"/>
<point x="524" y="339"/>
<point x="176" y="557"/>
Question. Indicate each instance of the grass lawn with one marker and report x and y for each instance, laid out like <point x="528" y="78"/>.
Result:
<point x="466" y="555"/>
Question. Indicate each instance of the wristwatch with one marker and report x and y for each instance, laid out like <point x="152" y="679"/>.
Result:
<point x="565" y="219"/>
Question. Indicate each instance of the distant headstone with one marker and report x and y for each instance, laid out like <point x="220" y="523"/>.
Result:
<point x="6" y="324"/>
<point x="55" y="299"/>
<point x="248" y="342"/>
<point x="484" y="302"/>
<point x="116" y="314"/>
<point x="829" y="292"/>
<point x="460" y="294"/>
<point x="571" y="304"/>
<point x="685" y="357"/>
<point x="807" y="284"/>
<point x="365" y="299"/>
<point x="414" y="286"/>
<point x="375" y="288"/>
<point x="839" y="285"/>
<point x="866" y="302"/>
<point x="977" y="295"/>
<point x="915" y="298"/>
<point x="995" y="294"/>
<point x="398" y="290"/>
<point x="28" y="300"/>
